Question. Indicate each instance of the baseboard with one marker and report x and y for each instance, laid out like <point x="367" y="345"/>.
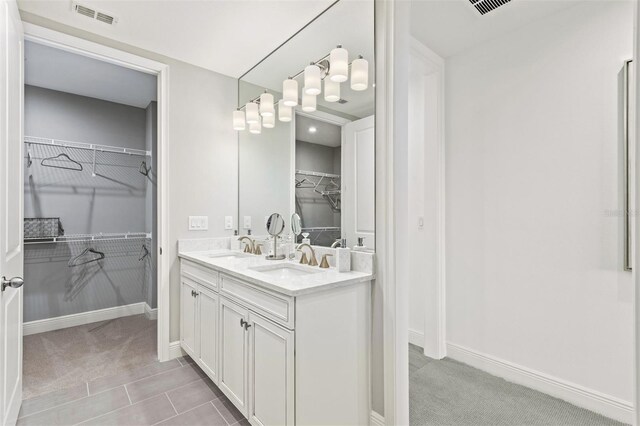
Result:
<point x="150" y="313"/>
<point x="581" y="396"/>
<point x="175" y="350"/>
<point x="376" y="419"/>
<point x="57" y="323"/>
<point x="416" y="338"/>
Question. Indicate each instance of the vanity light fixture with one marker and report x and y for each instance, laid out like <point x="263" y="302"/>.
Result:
<point x="331" y="90"/>
<point x="269" y="121"/>
<point x="308" y="102"/>
<point x="360" y="74"/>
<point x="290" y="92"/>
<point x="312" y="129"/>
<point x="255" y="128"/>
<point x="339" y="65"/>
<point x="284" y="112"/>
<point x="238" y="120"/>
<point x="312" y="80"/>
<point x="252" y="113"/>
<point x="266" y="105"/>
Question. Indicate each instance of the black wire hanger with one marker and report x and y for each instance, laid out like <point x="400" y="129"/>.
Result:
<point x="76" y="166"/>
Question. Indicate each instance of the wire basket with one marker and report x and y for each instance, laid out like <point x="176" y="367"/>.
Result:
<point x="40" y="228"/>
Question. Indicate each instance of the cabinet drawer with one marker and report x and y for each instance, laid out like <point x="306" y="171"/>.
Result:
<point x="200" y="274"/>
<point x="278" y="308"/>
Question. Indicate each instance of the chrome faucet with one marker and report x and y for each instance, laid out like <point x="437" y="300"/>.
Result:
<point x="340" y="242"/>
<point x="248" y="248"/>
<point x="313" y="261"/>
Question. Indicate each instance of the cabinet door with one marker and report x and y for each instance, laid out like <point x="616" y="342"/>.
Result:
<point x="188" y="316"/>
<point x="271" y="369"/>
<point x="233" y="353"/>
<point x="207" y="332"/>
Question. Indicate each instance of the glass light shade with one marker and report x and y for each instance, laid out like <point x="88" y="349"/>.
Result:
<point x="339" y="65"/>
<point x="238" y="120"/>
<point x="266" y="105"/>
<point x="252" y="113"/>
<point x="290" y="92"/>
<point x="331" y="90"/>
<point x="269" y="122"/>
<point x="255" y="128"/>
<point x="284" y="112"/>
<point x="359" y="74"/>
<point x="312" y="80"/>
<point x="308" y="102"/>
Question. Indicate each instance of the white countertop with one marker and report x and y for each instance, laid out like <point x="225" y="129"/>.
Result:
<point x="243" y="268"/>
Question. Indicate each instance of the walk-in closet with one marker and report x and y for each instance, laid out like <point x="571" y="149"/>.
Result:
<point x="90" y="307"/>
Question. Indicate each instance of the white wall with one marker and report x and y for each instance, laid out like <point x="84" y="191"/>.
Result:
<point x="534" y="166"/>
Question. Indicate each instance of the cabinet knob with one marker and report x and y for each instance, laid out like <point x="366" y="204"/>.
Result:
<point x="242" y="322"/>
<point x="246" y="325"/>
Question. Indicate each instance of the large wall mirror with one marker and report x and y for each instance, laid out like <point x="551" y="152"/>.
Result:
<point x="317" y="158"/>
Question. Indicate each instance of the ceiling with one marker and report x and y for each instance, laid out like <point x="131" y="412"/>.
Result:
<point x="449" y="27"/>
<point x="68" y="72"/>
<point x="226" y="36"/>
<point x="326" y="133"/>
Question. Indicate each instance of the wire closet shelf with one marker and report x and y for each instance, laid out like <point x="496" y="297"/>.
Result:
<point x="90" y="238"/>
<point x="85" y="146"/>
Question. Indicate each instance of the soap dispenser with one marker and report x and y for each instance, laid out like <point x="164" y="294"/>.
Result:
<point x="343" y="257"/>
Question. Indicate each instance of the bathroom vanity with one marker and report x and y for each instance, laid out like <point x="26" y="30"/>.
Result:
<point x="287" y="343"/>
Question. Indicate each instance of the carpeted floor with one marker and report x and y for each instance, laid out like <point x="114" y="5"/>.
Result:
<point x="446" y="392"/>
<point x="60" y="359"/>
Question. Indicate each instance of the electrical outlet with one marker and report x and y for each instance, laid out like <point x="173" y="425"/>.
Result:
<point x="247" y="222"/>
<point x="198" y="223"/>
<point x="228" y="222"/>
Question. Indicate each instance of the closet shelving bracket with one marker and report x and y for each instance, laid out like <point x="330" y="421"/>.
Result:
<point x="86" y="146"/>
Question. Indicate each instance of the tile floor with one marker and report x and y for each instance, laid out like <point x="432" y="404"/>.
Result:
<point x="176" y="392"/>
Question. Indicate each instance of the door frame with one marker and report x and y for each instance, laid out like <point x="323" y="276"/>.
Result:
<point x="58" y="40"/>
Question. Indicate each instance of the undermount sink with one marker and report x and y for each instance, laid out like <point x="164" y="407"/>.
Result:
<point x="228" y="255"/>
<point x="285" y="270"/>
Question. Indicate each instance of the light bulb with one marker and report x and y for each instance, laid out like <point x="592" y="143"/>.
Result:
<point x="266" y="105"/>
<point x="284" y="112"/>
<point x="360" y="74"/>
<point x="252" y="113"/>
<point x="255" y="128"/>
<point x="238" y="120"/>
<point x="308" y="102"/>
<point x="312" y="80"/>
<point x="290" y="92"/>
<point x="331" y="90"/>
<point x="269" y="122"/>
<point x="339" y="65"/>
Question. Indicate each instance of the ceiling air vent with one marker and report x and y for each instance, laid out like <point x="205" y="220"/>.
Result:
<point x="486" y="6"/>
<point x="92" y="13"/>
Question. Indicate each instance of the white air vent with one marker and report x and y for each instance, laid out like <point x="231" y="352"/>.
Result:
<point x="89" y="12"/>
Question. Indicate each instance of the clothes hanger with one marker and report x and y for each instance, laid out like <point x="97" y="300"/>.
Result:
<point x="77" y="166"/>
<point x="143" y="253"/>
<point x="74" y="262"/>
<point x="143" y="169"/>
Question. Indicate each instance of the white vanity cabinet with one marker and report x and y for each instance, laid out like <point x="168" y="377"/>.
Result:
<point x="282" y="359"/>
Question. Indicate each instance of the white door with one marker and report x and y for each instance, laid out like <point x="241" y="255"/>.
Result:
<point x="271" y="369"/>
<point x="207" y="332"/>
<point x="233" y="353"/>
<point x="11" y="211"/>
<point x="358" y="182"/>
<point x="188" y="316"/>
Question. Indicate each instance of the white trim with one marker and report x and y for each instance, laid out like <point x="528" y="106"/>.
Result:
<point x="376" y="419"/>
<point x="90" y="49"/>
<point x="175" y="350"/>
<point x="416" y="337"/>
<point x="323" y="116"/>
<point x="150" y="313"/>
<point x="581" y="396"/>
<point x="66" y="321"/>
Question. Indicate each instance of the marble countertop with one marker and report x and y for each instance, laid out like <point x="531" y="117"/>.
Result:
<point x="260" y="271"/>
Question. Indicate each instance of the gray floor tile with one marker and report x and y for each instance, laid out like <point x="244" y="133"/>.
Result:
<point x="109" y="382"/>
<point x="80" y="410"/>
<point x="52" y="399"/>
<point x="243" y="422"/>
<point x="184" y="360"/>
<point x="163" y="382"/>
<point x="147" y="412"/>
<point x="204" y="415"/>
<point x="193" y="395"/>
<point x="228" y="410"/>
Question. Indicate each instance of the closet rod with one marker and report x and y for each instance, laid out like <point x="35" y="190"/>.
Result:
<point x="86" y="146"/>
<point x="92" y="237"/>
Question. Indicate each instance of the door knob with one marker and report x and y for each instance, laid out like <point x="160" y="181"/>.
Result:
<point x="15" y="282"/>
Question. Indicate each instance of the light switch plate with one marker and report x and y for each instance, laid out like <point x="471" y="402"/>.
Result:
<point x="228" y="222"/>
<point x="247" y="222"/>
<point x="198" y="223"/>
<point x="420" y="222"/>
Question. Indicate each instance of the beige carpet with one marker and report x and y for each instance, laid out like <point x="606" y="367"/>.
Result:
<point x="63" y="358"/>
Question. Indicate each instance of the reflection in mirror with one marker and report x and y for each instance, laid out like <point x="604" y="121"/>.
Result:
<point x="275" y="224"/>
<point x="296" y="226"/>
<point x="306" y="134"/>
